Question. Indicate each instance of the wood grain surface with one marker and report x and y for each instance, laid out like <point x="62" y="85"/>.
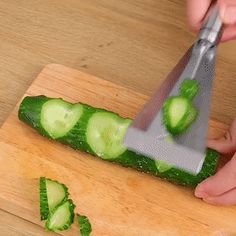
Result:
<point x="132" y="43"/>
<point x="118" y="201"/>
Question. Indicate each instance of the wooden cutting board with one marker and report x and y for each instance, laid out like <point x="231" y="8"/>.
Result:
<point x="118" y="201"/>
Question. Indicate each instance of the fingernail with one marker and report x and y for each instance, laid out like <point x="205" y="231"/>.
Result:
<point x="228" y="14"/>
<point x="210" y="200"/>
<point x="200" y="193"/>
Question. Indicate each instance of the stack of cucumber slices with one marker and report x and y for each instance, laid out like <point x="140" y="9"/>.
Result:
<point x="57" y="209"/>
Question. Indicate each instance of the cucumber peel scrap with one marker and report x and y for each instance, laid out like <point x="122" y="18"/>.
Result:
<point x="84" y="224"/>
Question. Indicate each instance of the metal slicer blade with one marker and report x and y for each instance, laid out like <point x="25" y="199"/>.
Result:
<point x="147" y="134"/>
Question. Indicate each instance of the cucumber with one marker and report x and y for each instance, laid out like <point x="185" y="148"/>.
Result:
<point x="61" y="217"/>
<point x="84" y="224"/>
<point x="178" y="114"/>
<point x="52" y="193"/>
<point x="189" y="88"/>
<point x="90" y="135"/>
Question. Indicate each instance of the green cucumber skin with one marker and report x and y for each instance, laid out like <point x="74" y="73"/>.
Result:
<point x="189" y="88"/>
<point x="44" y="208"/>
<point x="84" y="224"/>
<point x="34" y="105"/>
<point x="29" y="112"/>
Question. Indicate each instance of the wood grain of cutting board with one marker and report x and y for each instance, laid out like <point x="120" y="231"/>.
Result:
<point x="118" y="201"/>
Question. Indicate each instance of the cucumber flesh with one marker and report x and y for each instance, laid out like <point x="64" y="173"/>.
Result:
<point x="61" y="217"/>
<point x="56" y="193"/>
<point x="105" y="133"/>
<point x="169" y="139"/>
<point x="84" y="224"/>
<point x="52" y="193"/>
<point x="178" y="114"/>
<point x="177" y="110"/>
<point x="190" y="117"/>
<point x="162" y="166"/>
<point x="189" y="88"/>
<point x="58" y="117"/>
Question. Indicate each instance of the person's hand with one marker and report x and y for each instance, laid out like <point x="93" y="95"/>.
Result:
<point x="197" y="9"/>
<point x="220" y="189"/>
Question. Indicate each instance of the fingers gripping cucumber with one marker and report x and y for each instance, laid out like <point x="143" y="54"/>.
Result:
<point x="100" y="132"/>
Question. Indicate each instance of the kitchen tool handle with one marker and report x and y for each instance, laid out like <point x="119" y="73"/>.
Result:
<point x="212" y="29"/>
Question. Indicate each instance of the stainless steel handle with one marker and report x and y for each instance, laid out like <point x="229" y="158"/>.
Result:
<point x="211" y="30"/>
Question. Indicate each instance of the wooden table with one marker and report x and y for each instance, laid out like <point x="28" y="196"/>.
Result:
<point x="132" y="43"/>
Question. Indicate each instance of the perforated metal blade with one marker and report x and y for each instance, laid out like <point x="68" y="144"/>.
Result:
<point x="147" y="134"/>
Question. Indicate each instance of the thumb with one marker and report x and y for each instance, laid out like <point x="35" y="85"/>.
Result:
<point x="226" y="144"/>
<point x="221" y="182"/>
<point x="228" y="11"/>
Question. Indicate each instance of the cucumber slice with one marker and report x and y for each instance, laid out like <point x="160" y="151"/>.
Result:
<point x="105" y="133"/>
<point x="177" y="110"/>
<point x="84" y="224"/>
<point x="189" y="88"/>
<point x="178" y="114"/>
<point x="59" y="117"/>
<point x="61" y="217"/>
<point x="52" y="194"/>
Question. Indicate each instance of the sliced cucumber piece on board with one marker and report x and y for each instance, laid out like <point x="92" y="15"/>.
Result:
<point x="84" y="225"/>
<point x="61" y="217"/>
<point x="105" y="133"/>
<point x="52" y="193"/>
<point x="58" y="117"/>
